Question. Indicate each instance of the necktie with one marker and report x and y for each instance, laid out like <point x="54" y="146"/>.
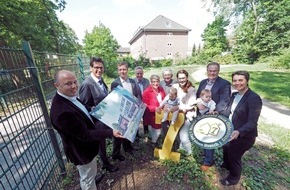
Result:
<point x="140" y="85"/>
<point x="102" y="85"/>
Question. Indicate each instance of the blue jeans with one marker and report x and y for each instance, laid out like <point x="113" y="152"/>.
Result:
<point x="208" y="157"/>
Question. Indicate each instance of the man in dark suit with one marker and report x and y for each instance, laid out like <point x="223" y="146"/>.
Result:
<point x="78" y="131"/>
<point x="143" y="83"/>
<point x="130" y="85"/>
<point x="221" y="91"/>
<point x="92" y="91"/>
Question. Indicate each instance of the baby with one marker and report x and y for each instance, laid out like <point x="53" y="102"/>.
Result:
<point x="205" y="104"/>
<point x="170" y="100"/>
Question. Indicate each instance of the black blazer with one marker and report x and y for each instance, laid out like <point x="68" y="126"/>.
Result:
<point x="78" y="133"/>
<point x="145" y="83"/>
<point x="246" y="115"/>
<point x="135" y="88"/>
<point x="221" y="92"/>
<point x="91" y="93"/>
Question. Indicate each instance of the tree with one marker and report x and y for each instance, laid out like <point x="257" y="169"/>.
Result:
<point x="35" y="21"/>
<point x="100" y="42"/>
<point x="214" y="37"/>
<point x="193" y="51"/>
<point x="261" y="26"/>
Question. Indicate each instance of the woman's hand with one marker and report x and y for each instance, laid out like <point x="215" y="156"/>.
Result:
<point x="158" y="110"/>
<point x="235" y="134"/>
<point x="174" y="108"/>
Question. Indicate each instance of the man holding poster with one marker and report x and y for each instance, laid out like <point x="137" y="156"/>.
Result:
<point x="130" y="85"/>
<point x="92" y="91"/>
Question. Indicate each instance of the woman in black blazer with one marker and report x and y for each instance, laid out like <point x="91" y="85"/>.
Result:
<point x="244" y="111"/>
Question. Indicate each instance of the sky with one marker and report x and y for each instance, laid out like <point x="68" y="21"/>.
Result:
<point x="124" y="17"/>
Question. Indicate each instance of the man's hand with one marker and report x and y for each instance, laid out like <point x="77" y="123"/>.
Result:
<point x="117" y="134"/>
<point x="235" y="134"/>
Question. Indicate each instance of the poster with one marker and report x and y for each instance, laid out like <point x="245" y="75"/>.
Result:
<point x="121" y="111"/>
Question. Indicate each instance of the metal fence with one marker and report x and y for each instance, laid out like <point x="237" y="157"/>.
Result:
<point x="31" y="153"/>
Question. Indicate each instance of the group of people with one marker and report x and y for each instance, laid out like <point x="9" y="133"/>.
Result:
<point x="84" y="137"/>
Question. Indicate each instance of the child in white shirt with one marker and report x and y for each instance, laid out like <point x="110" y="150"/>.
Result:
<point x="170" y="100"/>
<point x="205" y="104"/>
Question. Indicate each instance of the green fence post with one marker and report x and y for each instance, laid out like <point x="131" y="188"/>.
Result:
<point x="34" y="73"/>
<point x="81" y="67"/>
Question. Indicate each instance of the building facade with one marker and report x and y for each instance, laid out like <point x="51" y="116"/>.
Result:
<point x="162" y="38"/>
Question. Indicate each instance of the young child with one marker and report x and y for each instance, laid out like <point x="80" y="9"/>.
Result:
<point x="205" y="104"/>
<point x="170" y="100"/>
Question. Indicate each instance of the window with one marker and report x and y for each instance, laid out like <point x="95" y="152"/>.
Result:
<point x="169" y="44"/>
<point x="168" y="24"/>
<point x="169" y="34"/>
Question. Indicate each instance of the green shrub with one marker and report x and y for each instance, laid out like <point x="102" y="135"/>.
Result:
<point x="282" y="61"/>
<point x="187" y="61"/>
<point x="128" y="59"/>
<point x="224" y="59"/>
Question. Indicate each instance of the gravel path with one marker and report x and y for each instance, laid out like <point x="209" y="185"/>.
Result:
<point x="272" y="113"/>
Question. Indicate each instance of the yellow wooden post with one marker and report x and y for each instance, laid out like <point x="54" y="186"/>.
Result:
<point x="165" y="152"/>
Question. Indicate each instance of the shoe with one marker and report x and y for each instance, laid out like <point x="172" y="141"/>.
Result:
<point x="226" y="182"/>
<point x="99" y="177"/>
<point x="111" y="168"/>
<point x="119" y="157"/>
<point x="153" y="145"/>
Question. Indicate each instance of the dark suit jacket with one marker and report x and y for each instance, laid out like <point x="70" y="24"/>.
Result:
<point x="135" y="88"/>
<point x="145" y="83"/>
<point x="91" y="93"/>
<point x="78" y="133"/>
<point x="246" y="115"/>
<point x="221" y="92"/>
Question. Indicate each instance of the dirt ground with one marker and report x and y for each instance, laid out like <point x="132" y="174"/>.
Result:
<point x="141" y="171"/>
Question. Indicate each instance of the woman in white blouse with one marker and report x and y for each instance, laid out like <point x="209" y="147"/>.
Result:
<point x="186" y="94"/>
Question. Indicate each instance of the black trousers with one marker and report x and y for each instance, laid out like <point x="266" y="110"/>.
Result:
<point x="102" y="148"/>
<point x="103" y="152"/>
<point x="164" y="129"/>
<point x="232" y="156"/>
<point x="117" y="142"/>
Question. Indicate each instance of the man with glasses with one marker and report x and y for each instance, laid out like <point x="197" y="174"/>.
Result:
<point x="92" y="91"/>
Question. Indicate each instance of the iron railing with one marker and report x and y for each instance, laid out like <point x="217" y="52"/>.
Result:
<point x="31" y="153"/>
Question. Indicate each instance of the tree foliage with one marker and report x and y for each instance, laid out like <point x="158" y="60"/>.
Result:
<point x="35" y="21"/>
<point x="214" y="38"/>
<point x="100" y="42"/>
<point x="261" y="27"/>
